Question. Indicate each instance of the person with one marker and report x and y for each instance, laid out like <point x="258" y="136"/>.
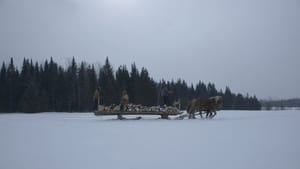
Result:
<point x="123" y="103"/>
<point x="164" y="92"/>
<point x="97" y="98"/>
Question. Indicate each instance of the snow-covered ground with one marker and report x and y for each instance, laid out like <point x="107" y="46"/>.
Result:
<point x="233" y="140"/>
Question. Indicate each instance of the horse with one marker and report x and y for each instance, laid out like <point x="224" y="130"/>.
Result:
<point x="199" y="105"/>
<point x="216" y="103"/>
<point x="209" y="105"/>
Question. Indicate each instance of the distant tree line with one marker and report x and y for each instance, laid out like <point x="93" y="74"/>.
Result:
<point x="280" y="104"/>
<point x="50" y="87"/>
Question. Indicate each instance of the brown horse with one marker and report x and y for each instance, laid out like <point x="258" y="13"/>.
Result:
<point x="209" y="105"/>
<point x="216" y="103"/>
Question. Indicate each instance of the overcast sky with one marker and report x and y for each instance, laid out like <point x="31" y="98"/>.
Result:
<point x="252" y="46"/>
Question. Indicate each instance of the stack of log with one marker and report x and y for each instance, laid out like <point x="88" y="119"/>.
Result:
<point x="138" y="108"/>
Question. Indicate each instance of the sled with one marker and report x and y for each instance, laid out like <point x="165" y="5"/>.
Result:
<point x="164" y="115"/>
<point x="137" y="110"/>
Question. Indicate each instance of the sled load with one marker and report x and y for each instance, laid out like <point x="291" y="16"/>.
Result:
<point x="126" y="108"/>
<point x="132" y="109"/>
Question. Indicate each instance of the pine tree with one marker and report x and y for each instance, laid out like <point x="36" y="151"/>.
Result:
<point x="30" y="100"/>
<point x="122" y="78"/>
<point x="182" y="91"/>
<point x="84" y="88"/>
<point x="3" y="91"/>
<point x="92" y="87"/>
<point x="211" y="90"/>
<point x="228" y="99"/>
<point x="108" y="84"/>
<point x="62" y="91"/>
<point x="52" y="80"/>
<point x="12" y="86"/>
<point x="201" y="90"/>
<point x="146" y="89"/>
<point x="72" y="87"/>
<point x="27" y="92"/>
<point x="239" y="102"/>
<point x="133" y="83"/>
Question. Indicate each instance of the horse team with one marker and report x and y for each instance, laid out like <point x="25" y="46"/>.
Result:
<point x="208" y="106"/>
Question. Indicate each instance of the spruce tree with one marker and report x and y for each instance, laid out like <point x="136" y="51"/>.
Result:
<point x="134" y="83"/>
<point x="92" y="85"/>
<point x="146" y="91"/>
<point x="72" y="84"/>
<point x="122" y="78"/>
<point x="228" y="99"/>
<point x="12" y="86"/>
<point x="108" y="84"/>
<point x="3" y="89"/>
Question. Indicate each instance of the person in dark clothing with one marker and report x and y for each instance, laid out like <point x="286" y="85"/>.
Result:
<point x="123" y="103"/>
<point x="164" y="92"/>
<point x="97" y="98"/>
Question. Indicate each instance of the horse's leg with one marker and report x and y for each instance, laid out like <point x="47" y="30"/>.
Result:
<point x="200" y="112"/>
<point x="207" y="113"/>
<point x="192" y="114"/>
<point x="211" y="114"/>
<point x="215" y="113"/>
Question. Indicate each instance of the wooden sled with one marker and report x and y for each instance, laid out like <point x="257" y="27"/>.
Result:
<point x="164" y="115"/>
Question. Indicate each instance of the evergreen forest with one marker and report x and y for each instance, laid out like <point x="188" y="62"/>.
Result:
<point x="49" y="87"/>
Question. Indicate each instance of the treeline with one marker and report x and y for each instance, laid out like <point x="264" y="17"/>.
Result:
<point x="51" y="87"/>
<point x="280" y="104"/>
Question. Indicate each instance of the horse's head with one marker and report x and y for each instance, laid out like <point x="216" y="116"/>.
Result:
<point x="218" y="100"/>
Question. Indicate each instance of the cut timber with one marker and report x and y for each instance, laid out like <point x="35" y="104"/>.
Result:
<point x="164" y="115"/>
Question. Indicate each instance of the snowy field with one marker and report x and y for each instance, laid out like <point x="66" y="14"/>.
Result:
<point x="233" y="140"/>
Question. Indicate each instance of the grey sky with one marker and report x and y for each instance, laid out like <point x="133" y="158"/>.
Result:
<point x="249" y="45"/>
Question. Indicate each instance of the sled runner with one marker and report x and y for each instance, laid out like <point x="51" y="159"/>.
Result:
<point x="134" y="118"/>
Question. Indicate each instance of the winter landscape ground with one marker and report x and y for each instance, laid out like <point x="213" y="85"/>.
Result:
<point x="233" y="140"/>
